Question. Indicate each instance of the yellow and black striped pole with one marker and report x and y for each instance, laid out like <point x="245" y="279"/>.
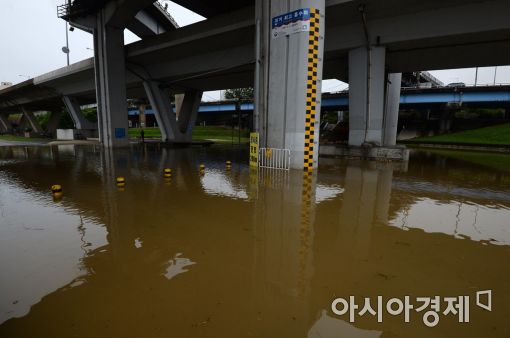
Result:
<point x="311" y="88"/>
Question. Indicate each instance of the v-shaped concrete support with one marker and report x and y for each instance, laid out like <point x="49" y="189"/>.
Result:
<point x="73" y="107"/>
<point x="174" y="127"/>
<point x="32" y="120"/>
<point x="5" y="124"/>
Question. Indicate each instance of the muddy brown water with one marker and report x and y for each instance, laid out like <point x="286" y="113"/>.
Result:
<point x="241" y="253"/>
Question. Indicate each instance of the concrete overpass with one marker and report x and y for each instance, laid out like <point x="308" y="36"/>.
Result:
<point x="361" y="42"/>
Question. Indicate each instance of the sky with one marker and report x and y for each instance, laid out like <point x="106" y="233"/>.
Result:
<point x="32" y="37"/>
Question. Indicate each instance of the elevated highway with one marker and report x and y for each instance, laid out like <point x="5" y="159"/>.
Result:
<point x="221" y="52"/>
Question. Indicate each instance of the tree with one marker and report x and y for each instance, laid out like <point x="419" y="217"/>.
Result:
<point x="239" y="94"/>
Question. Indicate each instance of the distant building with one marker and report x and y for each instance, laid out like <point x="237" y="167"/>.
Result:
<point x="5" y="85"/>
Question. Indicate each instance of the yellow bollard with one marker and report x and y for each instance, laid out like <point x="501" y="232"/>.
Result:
<point x="202" y="170"/>
<point x="167" y="172"/>
<point x="56" y="191"/>
<point x="229" y="165"/>
<point x="121" y="181"/>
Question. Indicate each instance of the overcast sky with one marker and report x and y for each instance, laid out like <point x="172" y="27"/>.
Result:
<point x="32" y="38"/>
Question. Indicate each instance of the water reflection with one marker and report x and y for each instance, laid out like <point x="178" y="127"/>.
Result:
<point x="240" y="252"/>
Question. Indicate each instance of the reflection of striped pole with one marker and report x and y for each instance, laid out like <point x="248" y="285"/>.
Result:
<point x="311" y="88"/>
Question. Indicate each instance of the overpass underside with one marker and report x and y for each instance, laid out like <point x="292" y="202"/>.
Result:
<point x="365" y="43"/>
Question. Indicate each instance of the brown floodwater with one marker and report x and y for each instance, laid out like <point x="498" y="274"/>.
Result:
<point x="240" y="253"/>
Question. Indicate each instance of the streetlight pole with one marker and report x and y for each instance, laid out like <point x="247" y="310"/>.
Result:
<point x="67" y="44"/>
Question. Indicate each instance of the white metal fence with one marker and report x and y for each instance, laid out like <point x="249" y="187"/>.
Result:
<point x="274" y="158"/>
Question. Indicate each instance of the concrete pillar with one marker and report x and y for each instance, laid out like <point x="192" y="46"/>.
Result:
<point x="392" y="109"/>
<point x="179" y="98"/>
<point x="109" y="62"/>
<point x="32" y="120"/>
<point x="141" y="116"/>
<point x="73" y="107"/>
<point x="366" y="95"/>
<point x="289" y="81"/>
<point x="54" y="120"/>
<point x="5" y="124"/>
<point x="445" y="121"/>
<point x="173" y="130"/>
<point x="187" y="114"/>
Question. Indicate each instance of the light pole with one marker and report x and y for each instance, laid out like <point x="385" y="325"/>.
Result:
<point x="65" y="49"/>
<point x="495" y="74"/>
<point x="476" y="76"/>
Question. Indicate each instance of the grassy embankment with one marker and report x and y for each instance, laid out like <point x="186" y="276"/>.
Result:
<point x="16" y="138"/>
<point x="213" y="133"/>
<point x="490" y="136"/>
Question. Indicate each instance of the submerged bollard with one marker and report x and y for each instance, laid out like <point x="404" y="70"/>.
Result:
<point x="229" y="165"/>
<point x="167" y="172"/>
<point x="121" y="181"/>
<point x="56" y="191"/>
<point x="202" y="169"/>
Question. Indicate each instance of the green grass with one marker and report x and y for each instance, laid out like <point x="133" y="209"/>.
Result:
<point x="215" y="133"/>
<point x="493" y="136"/>
<point x="491" y="160"/>
<point x="21" y="138"/>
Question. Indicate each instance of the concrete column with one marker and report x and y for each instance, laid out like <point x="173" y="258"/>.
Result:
<point x="162" y="108"/>
<point x="110" y="82"/>
<point x="32" y="120"/>
<point x="392" y="109"/>
<point x="141" y="116"/>
<point x="179" y="98"/>
<point x="5" y="124"/>
<point x="73" y="107"/>
<point x="54" y="120"/>
<point x="187" y="114"/>
<point x="290" y="78"/>
<point x="366" y="95"/>
<point x="173" y="130"/>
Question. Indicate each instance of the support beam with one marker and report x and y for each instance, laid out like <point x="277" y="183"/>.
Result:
<point x="187" y="114"/>
<point x="289" y="82"/>
<point x="173" y="129"/>
<point x="109" y="62"/>
<point x="392" y="109"/>
<point x="366" y="95"/>
<point x="32" y="120"/>
<point x="54" y="121"/>
<point x="5" y="124"/>
<point x="73" y="107"/>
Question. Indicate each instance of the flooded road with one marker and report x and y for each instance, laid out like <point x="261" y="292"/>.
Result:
<point x="238" y="253"/>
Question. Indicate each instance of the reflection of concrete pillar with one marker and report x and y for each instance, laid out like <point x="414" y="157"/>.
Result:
<point x="291" y="78"/>
<point x="284" y="222"/>
<point x="110" y="82"/>
<point x="5" y="124"/>
<point x="74" y="109"/>
<point x="32" y="120"/>
<point x="365" y="203"/>
<point x="384" y="187"/>
<point x="392" y="109"/>
<point x="366" y="95"/>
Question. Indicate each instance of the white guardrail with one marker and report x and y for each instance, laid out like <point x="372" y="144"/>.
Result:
<point x="273" y="158"/>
